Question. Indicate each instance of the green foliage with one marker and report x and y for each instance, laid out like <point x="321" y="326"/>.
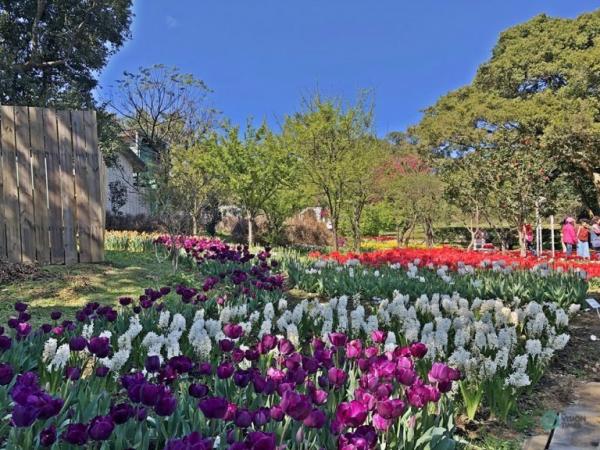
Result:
<point x="51" y="51"/>
<point x="255" y="169"/>
<point x="536" y="101"/>
<point x="327" y="139"/>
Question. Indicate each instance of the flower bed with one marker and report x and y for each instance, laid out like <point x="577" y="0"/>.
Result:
<point x="541" y="283"/>
<point x="452" y="257"/>
<point x="160" y="375"/>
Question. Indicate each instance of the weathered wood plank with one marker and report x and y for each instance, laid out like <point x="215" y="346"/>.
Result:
<point x="40" y="193"/>
<point x="11" y="196"/>
<point x="2" y="222"/>
<point x="26" y="220"/>
<point x="55" y="217"/>
<point x="82" y="172"/>
<point x="65" y="147"/>
<point x="93" y="187"/>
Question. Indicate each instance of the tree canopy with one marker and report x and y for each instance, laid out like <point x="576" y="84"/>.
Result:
<point x="52" y="51"/>
<point x="541" y="87"/>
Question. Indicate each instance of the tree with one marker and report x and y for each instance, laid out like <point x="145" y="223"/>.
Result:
<point x="327" y="139"/>
<point x="542" y="82"/>
<point x="165" y="107"/>
<point x="52" y="51"/>
<point x="364" y="187"/>
<point x="253" y="167"/>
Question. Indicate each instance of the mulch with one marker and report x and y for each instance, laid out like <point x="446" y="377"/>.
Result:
<point x="12" y="272"/>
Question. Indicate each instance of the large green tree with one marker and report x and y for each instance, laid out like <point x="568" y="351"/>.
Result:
<point x="52" y="50"/>
<point x="539" y="93"/>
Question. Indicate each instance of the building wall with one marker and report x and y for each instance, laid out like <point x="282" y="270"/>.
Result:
<point x="135" y="204"/>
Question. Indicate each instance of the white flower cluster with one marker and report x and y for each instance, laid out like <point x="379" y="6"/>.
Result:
<point x="125" y="346"/>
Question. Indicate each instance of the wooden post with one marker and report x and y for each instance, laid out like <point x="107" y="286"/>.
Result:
<point x="40" y="193"/>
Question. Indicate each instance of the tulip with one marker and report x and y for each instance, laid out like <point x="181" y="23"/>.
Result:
<point x="121" y="413"/>
<point x="6" y="374"/>
<point x="48" y="436"/>
<point x="295" y="405"/>
<point x="316" y="419"/>
<point x="181" y="364"/>
<point x="352" y="414"/>
<point x="198" y="390"/>
<point x="353" y="349"/>
<point x="418" y="349"/>
<point x="242" y="418"/>
<point x="337" y="377"/>
<point x="23" y="416"/>
<point x="380" y="423"/>
<point x="20" y="307"/>
<point x="226" y="345"/>
<point x="149" y="394"/>
<point x="338" y="339"/>
<point x="214" y="407"/>
<point x="379" y="336"/>
<point x="152" y="363"/>
<point x="99" y="346"/>
<point x="73" y="373"/>
<point x="55" y="315"/>
<point x="166" y="405"/>
<point x="77" y="343"/>
<point x="75" y="433"/>
<point x="225" y="370"/>
<point x="261" y="417"/>
<point x="100" y="428"/>
<point x="102" y="371"/>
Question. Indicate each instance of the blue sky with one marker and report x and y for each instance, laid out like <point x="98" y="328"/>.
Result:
<point x="260" y="57"/>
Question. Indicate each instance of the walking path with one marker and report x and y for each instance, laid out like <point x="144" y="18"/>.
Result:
<point x="579" y="427"/>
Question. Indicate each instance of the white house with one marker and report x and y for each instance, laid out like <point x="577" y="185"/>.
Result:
<point x="122" y="194"/>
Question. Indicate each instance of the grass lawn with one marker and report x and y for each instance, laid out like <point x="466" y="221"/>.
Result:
<point x="68" y="288"/>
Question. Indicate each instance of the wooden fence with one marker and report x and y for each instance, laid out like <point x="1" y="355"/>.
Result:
<point x="52" y="186"/>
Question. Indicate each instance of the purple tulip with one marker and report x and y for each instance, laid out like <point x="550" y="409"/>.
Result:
<point x="198" y="390"/>
<point x="276" y="413"/>
<point x="5" y="342"/>
<point x="76" y="434"/>
<point x="77" y="343"/>
<point x="99" y="346"/>
<point x="48" y="436"/>
<point x="166" y="405"/>
<point x="295" y="405"/>
<point x="241" y="378"/>
<point x="6" y="374"/>
<point x="101" y="427"/>
<point x="20" y="307"/>
<point x="23" y="329"/>
<point x="338" y="339"/>
<point x="193" y="441"/>
<point x="406" y="376"/>
<point x="24" y="317"/>
<point x="121" y="413"/>
<point x="352" y="414"/>
<point x="380" y="423"/>
<point x="261" y="417"/>
<point x="23" y="416"/>
<point x="55" y="315"/>
<point x="242" y="418"/>
<point x="316" y="419"/>
<point x="204" y="368"/>
<point x="181" y="364"/>
<point x="379" y="336"/>
<point x="149" y="394"/>
<point x="336" y="377"/>
<point x="391" y="409"/>
<point x="214" y="407"/>
<point x="125" y="301"/>
<point x="418" y="349"/>
<point x="73" y="373"/>
<point x="353" y="349"/>
<point x="46" y="328"/>
<point x="225" y="370"/>
<point x="152" y="363"/>
<point x="226" y="345"/>
<point x="233" y="331"/>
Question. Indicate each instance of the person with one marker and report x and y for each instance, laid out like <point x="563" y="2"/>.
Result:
<point x="569" y="238"/>
<point x="583" y="239"/>
<point x="595" y="234"/>
<point x="528" y="237"/>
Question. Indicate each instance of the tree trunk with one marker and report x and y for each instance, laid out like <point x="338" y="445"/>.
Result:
<point x="522" y="242"/>
<point x="429" y="237"/>
<point x="250" y="231"/>
<point x="334" y="229"/>
<point x="194" y="219"/>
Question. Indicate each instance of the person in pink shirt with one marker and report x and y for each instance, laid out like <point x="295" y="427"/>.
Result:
<point x="569" y="237"/>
